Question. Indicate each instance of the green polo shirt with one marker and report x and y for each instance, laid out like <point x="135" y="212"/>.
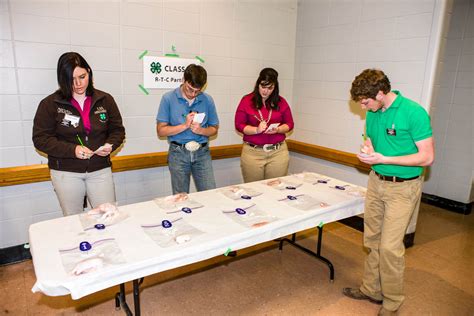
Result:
<point x="395" y="131"/>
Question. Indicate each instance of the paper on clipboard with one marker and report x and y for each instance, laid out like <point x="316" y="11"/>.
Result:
<point x="199" y="117"/>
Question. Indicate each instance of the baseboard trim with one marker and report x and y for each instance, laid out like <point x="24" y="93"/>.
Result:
<point x="14" y="254"/>
<point x="447" y="204"/>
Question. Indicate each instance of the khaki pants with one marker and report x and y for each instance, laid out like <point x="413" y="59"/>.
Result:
<point x="257" y="164"/>
<point x="71" y="187"/>
<point x="388" y="209"/>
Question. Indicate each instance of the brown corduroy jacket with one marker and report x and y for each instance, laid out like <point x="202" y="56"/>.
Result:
<point x="54" y="134"/>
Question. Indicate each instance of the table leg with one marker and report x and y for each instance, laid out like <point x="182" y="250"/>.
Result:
<point x="121" y="299"/>
<point x="316" y="254"/>
<point x="136" y="296"/>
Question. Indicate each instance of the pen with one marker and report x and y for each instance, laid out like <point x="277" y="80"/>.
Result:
<point x="79" y="139"/>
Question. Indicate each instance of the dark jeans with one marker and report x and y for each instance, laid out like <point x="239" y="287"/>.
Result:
<point x="182" y="163"/>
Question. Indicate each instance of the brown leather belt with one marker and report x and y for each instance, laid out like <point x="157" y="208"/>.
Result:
<point x="393" y="178"/>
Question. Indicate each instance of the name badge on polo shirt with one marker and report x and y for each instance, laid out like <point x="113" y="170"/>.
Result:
<point x="70" y="119"/>
<point x="392" y="131"/>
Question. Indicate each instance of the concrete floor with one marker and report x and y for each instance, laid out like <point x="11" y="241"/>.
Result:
<point x="439" y="279"/>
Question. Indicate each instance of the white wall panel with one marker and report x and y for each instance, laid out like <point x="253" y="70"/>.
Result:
<point x="108" y="81"/>
<point x="38" y="55"/>
<point x="37" y="81"/>
<point x="5" y="30"/>
<point x="136" y="14"/>
<point x="34" y="28"/>
<point x="173" y="20"/>
<point x="97" y="11"/>
<point x="86" y="34"/>
<point x="6" y="54"/>
<point x="8" y="80"/>
<point x="141" y="38"/>
<point x="12" y="156"/>
<point x="11" y="134"/>
<point x="418" y="25"/>
<point x="29" y="105"/>
<point x="9" y="108"/>
<point x="48" y="8"/>
<point x="218" y="66"/>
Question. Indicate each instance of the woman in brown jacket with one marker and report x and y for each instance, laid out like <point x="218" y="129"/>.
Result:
<point x="78" y="127"/>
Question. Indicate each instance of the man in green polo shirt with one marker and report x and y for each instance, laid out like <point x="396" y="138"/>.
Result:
<point x="398" y="145"/>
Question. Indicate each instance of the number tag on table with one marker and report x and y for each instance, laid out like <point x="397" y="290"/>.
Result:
<point x="166" y="224"/>
<point x="186" y="210"/>
<point x="85" y="246"/>
<point x="99" y="226"/>
<point x="240" y="211"/>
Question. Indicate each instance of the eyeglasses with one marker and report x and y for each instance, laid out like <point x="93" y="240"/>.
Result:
<point x="190" y="90"/>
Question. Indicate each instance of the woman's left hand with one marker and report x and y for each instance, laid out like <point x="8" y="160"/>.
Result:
<point x="104" y="150"/>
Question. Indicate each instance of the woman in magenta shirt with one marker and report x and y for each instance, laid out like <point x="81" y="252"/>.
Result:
<point x="263" y="117"/>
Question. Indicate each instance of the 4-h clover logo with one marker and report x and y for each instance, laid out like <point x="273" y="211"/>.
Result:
<point x="155" y="67"/>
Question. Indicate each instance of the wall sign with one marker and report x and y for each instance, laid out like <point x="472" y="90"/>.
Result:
<point x="164" y="72"/>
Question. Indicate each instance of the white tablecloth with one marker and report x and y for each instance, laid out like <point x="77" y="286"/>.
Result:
<point x="144" y="257"/>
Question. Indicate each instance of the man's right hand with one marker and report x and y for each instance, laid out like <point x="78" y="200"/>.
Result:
<point x="189" y="119"/>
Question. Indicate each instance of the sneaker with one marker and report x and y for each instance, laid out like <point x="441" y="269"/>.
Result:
<point x="356" y="294"/>
<point x="386" y="312"/>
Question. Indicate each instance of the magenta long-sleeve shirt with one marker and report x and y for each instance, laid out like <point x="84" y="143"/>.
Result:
<point x="247" y="114"/>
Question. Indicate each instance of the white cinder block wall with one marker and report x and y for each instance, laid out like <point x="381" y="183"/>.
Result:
<point x="453" y="108"/>
<point x="235" y="38"/>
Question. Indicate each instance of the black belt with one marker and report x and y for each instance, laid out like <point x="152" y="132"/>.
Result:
<point x="182" y="145"/>
<point x="267" y="147"/>
<point x="393" y="178"/>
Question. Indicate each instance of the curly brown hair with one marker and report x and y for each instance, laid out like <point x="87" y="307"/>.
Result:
<point x="368" y="83"/>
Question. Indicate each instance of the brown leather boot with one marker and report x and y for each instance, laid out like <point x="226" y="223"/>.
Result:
<point x="356" y="294"/>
